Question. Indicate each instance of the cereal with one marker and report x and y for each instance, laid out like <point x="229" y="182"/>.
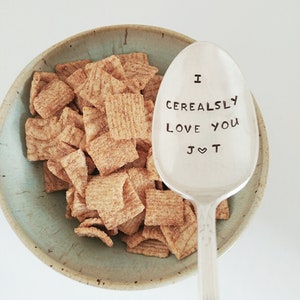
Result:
<point x="91" y="222"/>
<point x="132" y="225"/>
<point x="52" y="182"/>
<point x="151" y="167"/>
<point x="94" y="232"/>
<point x="39" y="80"/>
<point x="61" y="149"/>
<point x="76" y="169"/>
<point x="150" y="248"/>
<point x="135" y="57"/>
<point x="41" y="137"/>
<point x="91" y="127"/>
<point x="106" y="160"/>
<point x="97" y="86"/>
<point x="151" y="89"/>
<point x="112" y="65"/>
<point x="55" y="167"/>
<point x="138" y="75"/>
<point x="163" y="208"/>
<point x="78" y="206"/>
<point x="133" y="205"/>
<point x="72" y="136"/>
<point x="76" y="79"/>
<point x="95" y="122"/>
<point x="141" y="181"/>
<point x="222" y="211"/>
<point x="71" y="117"/>
<point x="134" y="239"/>
<point x="149" y="108"/>
<point x="126" y="116"/>
<point x="182" y="240"/>
<point x="52" y="98"/>
<point x="105" y="194"/>
<point x="153" y="233"/>
<point x="66" y="69"/>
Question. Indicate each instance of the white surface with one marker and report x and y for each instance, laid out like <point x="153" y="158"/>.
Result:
<point x="264" y="38"/>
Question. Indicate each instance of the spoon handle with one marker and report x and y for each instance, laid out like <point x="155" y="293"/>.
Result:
<point x="207" y="251"/>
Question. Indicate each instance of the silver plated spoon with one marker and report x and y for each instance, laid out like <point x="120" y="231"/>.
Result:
<point x="205" y="140"/>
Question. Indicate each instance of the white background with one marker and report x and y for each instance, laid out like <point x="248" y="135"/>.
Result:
<point x="264" y="38"/>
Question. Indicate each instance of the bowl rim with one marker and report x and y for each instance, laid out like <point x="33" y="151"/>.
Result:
<point x="29" y="243"/>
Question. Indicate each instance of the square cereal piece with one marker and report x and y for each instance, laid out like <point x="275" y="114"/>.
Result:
<point x="141" y="181"/>
<point x="132" y="226"/>
<point x="126" y="116"/>
<point x="222" y="211"/>
<point x="163" y="208"/>
<point x="191" y="245"/>
<point x="105" y="193"/>
<point x="55" y="167"/>
<point x="182" y="240"/>
<point x="76" y="78"/>
<point x="66" y="69"/>
<point x="39" y="80"/>
<point x="76" y="169"/>
<point x="153" y="233"/>
<point x="151" y="89"/>
<point x="77" y="206"/>
<point x="138" y="75"/>
<point x="41" y="137"/>
<point x="71" y="117"/>
<point x="98" y="85"/>
<point x="111" y="64"/>
<point x="53" y="183"/>
<point x="150" y="248"/>
<point x="134" y="239"/>
<point x="81" y="103"/>
<point x="72" y="136"/>
<point x="109" y="154"/>
<point x="94" y="232"/>
<point x="88" y="222"/>
<point x="141" y="57"/>
<point x="133" y="206"/>
<point x="52" y="98"/>
<point x="43" y="129"/>
<point x="61" y="149"/>
<point x="95" y="122"/>
<point x="53" y="163"/>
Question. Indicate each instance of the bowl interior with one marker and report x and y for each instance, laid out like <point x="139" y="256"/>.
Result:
<point x="39" y="218"/>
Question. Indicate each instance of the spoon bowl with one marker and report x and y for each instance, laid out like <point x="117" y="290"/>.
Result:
<point x="205" y="139"/>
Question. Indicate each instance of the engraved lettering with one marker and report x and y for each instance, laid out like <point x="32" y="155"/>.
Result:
<point x="216" y="146"/>
<point x="215" y="125"/>
<point x="233" y="124"/>
<point x="197" y="80"/>
<point x="168" y="128"/>
<point x="217" y="105"/>
<point x="190" y="149"/>
<point x="225" y="105"/>
<point x="234" y="100"/>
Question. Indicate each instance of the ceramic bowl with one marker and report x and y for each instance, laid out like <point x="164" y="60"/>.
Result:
<point x="39" y="219"/>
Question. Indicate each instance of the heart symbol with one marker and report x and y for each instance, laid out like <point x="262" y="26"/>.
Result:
<point x="202" y="150"/>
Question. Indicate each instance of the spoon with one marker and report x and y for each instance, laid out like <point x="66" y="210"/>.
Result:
<point x="205" y="140"/>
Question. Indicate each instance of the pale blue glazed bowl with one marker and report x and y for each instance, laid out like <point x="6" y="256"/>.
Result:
<point x="39" y="219"/>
